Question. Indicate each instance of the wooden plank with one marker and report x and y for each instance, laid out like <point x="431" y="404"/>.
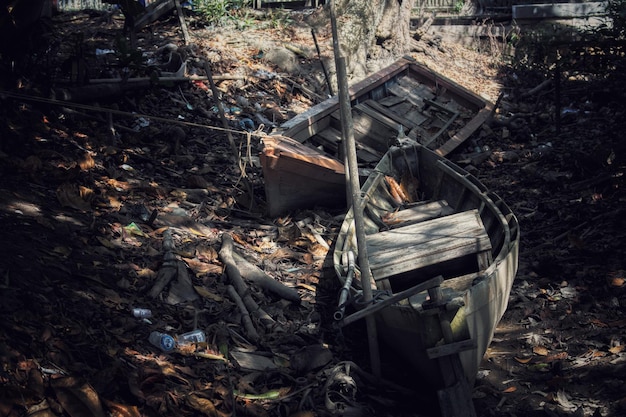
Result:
<point x="422" y="244"/>
<point x="383" y="118"/>
<point x="372" y="135"/>
<point x="377" y="107"/>
<point x="418" y="213"/>
<point x="154" y="12"/>
<point x="329" y="138"/>
<point x="559" y="10"/>
<point x="253" y="362"/>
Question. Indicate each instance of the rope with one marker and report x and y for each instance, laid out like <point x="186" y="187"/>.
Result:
<point x="4" y="94"/>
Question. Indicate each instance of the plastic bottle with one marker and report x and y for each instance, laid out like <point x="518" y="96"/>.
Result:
<point x="195" y="336"/>
<point x="142" y="313"/>
<point x="163" y="341"/>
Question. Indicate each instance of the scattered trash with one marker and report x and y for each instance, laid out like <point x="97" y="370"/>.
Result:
<point x="163" y="341"/>
<point x="195" y="336"/>
<point x="265" y="75"/>
<point x="142" y="313"/>
<point x="246" y="124"/>
<point x="140" y="123"/>
<point x="101" y="52"/>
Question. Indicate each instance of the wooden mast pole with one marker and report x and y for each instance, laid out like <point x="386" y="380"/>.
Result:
<point x="347" y="130"/>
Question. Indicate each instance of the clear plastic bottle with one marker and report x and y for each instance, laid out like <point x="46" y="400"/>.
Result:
<point x="195" y="336"/>
<point x="142" y="313"/>
<point x="163" y="341"/>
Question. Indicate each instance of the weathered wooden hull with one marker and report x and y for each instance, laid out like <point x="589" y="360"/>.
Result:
<point x="405" y="96"/>
<point x="479" y="289"/>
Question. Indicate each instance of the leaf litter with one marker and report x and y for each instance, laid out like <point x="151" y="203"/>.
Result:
<point x="86" y="213"/>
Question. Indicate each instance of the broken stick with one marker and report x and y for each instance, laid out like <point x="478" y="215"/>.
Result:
<point x="255" y="274"/>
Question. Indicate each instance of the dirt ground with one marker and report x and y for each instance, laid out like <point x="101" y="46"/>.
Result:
<point x="88" y="191"/>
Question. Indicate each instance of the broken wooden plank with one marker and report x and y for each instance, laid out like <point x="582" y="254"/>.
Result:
<point x="154" y="12"/>
<point x="419" y="245"/>
<point x="419" y="213"/>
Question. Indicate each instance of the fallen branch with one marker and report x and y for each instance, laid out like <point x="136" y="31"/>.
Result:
<point x="165" y="79"/>
<point x="226" y="254"/>
<point x="538" y="88"/>
<point x="245" y="315"/>
<point x="255" y="274"/>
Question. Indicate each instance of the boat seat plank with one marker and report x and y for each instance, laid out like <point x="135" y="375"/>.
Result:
<point x="329" y="138"/>
<point x="418" y="213"/>
<point x="369" y="132"/>
<point x="415" y="246"/>
<point x="391" y="100"/>
<point x="374" y="106"/>
<point x="381" y="114"/>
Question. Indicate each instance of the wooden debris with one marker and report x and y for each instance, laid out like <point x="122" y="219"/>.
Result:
<point x="183" y="24"/>
<point x="253" y="362"/>
<point x="154" y="12"/>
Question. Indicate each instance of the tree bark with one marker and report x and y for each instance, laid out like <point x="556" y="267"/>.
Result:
<point x="373" y="29"/>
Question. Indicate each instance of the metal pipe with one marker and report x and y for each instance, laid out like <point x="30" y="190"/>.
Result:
<point x="345" y="290"/>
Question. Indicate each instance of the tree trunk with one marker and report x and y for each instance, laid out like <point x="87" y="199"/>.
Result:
<point x="372" y="29"/>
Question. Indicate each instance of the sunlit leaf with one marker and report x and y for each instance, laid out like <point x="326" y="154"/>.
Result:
<point x="202" y="405"/>
<point x="269" y="395"/>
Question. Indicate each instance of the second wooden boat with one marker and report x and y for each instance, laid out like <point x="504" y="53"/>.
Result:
<point x="403" y="99"/>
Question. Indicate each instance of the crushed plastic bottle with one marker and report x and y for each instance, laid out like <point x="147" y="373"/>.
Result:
<point x="195" y="336"/>
<point x="142" y="313"/>
<point x="163" y="341"/>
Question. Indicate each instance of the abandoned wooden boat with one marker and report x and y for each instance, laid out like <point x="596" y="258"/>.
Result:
<point x="443" y="253"/>
<point x="404" y="98"/>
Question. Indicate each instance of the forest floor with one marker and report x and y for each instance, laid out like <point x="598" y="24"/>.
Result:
<point x="87" y="193"/>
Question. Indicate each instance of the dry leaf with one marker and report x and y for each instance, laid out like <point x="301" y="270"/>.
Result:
<point x="202" y="405"/>
<point x="200" y="268"/>
<point x="87" y="162"/>
<point x="616" y="349"/>
<point x="69" y="195"/>
<point x="77" y="398"/>
<point x="557" y="357"/>
<point x="523" y="360"/>
<point x="207" y="294"/>
<point x="396" y="191"/>
<point x="121" y="410"/>
<point x="563" y="401"/>
<point x="540" y="350"/>
<point x="510" y="389"/>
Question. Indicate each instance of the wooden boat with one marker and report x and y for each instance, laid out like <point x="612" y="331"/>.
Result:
<point x="405" y="98"/>
<point x="443" y="254"/>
